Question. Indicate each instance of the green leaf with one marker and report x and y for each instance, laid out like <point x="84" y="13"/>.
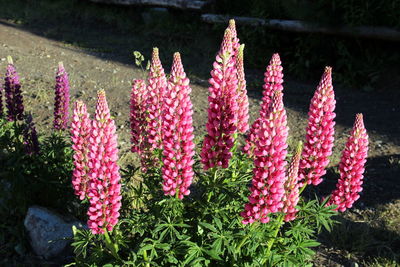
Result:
<point x="208" y="226"/>
<point x="213" y="254"/>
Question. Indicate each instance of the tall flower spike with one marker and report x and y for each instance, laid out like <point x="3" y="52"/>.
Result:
<point x="235" y="39"/>
<point x="157" y="84"/>
<point x="320" y="131"/>
<point x="178" y="138"/>
<point x="351" y="167"/>
<point x="31" y="141"/>
<point x="139" y="125"/>
<point x="223" y="108"/>
<point x="273" y="80"/>
<point x="61" y="100"/>
<point x="80" y="133"/>
<point x="104" y="178"/>
<point x="243" y="101"/>
<point x="267" y="190"/>
<point x="292" y="186"/>
<point x="12" y="88"/>
<point x="137" y="114"/>
<point x="1" y="102"/>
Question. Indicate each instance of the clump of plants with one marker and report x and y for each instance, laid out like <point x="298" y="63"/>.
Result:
<point x="218" y="203"/>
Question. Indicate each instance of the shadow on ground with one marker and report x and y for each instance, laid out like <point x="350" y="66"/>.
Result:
<point x="349" y="241"/>
<point x="381" y="182"/>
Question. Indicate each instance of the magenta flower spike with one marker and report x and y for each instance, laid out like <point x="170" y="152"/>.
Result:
<point x="157" y="85"/>
<point x="31" y="141"/>
<point x="320" y="132"/>
<point x="235" y="39"/>
<point x="104" y="179"/>
<point x="267" y="190"/>
<point x="139" y="125"/>
<point x="273" y="80"/>
<point x="61" y="100"/>
<point x="178" y="138"/>
<point x="138" y="114"/>
<point x="80" y="133"/>
<point x="243" y="101"/>
<point x="1" y="102"/>
<point x="12" y="88"/>
<point x="223" y="108"/>
<point x="292" y="185"/>
<point x="351" y="167"/>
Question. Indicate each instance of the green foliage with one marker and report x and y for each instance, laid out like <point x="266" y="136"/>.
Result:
<point x="42" y="179"/>
<point x="203" y="229"/>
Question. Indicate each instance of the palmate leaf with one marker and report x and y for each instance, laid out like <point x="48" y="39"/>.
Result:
<point x="82" y="240"/>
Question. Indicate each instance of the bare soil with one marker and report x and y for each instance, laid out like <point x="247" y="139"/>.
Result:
<point x="376" y="214"/>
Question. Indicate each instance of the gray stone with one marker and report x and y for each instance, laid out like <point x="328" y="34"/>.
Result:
<point x="50" y="233"/>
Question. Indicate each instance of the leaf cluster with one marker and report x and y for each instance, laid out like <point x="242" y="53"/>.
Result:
<point x="203" y="229"/>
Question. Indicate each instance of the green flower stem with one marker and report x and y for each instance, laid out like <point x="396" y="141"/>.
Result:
<point x="111" y="246"/>
<point x="146" y="259"/>
<point x="214" y="173"/>
<point x="243" y="241"/>
<point x="234" y="150"/>
<point x="302" y="188"/>
<point x="275" y="234"/>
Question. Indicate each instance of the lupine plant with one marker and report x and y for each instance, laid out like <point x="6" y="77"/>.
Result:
<point x="224" y="206"/>
<point x="228" y="203"/>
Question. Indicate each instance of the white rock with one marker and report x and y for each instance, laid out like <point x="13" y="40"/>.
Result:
<point x="49" y="233"/>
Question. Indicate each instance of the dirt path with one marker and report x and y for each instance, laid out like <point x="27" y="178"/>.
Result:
<point x="36" y="59"/>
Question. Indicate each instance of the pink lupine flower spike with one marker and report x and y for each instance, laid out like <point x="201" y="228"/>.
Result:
<point x="80" y="132"/>
<point x="223" y="108"/>
<point x="61" y="103"/>
<point x="267" y="190"/>
<point x="292" y="187"/>
<point x="138" y="115"/>
<point x="178" y="138"/>
<point x="157" y="84"/>
<point x="104" y="184"/>
<point x="243" y="101"/>
<point x="273" y="80"/>
<point x="320" y="132"/>
<point x="351" y="167"/>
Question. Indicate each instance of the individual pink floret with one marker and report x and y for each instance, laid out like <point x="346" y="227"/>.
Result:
<point x="80" y="131"/>
<point x="351" y="167"/>
<point x="104" y="185"/>
<point x="223" y="108"/>
<point x="267" y="190"/>
<point x="320" y="132"/>
<point x="178" y="135"/>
